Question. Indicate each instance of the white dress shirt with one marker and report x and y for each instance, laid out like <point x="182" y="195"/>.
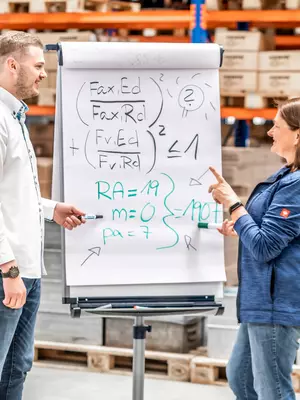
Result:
<point x="22" y="210"/>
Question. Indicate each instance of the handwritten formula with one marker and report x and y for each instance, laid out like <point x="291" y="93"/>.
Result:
<point x="137" y="147"/>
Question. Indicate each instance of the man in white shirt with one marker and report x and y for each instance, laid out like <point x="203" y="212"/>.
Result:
<point x="22" y="211"/>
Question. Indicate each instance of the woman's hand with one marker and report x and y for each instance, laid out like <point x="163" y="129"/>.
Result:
<point x="227" y="229"/>
<point x="222" y="192"/>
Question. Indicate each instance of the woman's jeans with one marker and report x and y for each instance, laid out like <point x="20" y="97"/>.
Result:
<point x="261" y="362"/>
<point x="17" y="340"/>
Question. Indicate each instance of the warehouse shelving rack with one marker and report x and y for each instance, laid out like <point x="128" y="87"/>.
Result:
<point x="198" y="19"/>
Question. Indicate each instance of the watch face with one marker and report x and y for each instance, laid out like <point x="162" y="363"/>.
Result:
<point x="14" y="272"/>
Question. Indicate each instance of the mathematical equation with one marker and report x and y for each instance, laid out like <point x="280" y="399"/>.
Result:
<point x="153" y="206"/>
<point x="128" y="124"/>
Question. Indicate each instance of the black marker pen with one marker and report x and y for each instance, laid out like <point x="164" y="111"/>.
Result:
<point x="90" y="216"/>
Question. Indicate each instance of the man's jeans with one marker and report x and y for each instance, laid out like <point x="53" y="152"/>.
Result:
<point x="261" y="362"/>
<point x="17" y="340"/>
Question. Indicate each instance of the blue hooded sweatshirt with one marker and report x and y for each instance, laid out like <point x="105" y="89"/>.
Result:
<point x="269" y="252"/>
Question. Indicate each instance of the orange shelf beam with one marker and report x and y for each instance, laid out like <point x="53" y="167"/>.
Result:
<point x="287" y="42"/>
<point x="239" y="113"/>
<point x="156" y="19"/>
<point x="259" y="18"/>
<point x="160" y="39"/>
<point x="246" y="113"/>
<point x="42" y="111"/>
<point x="162" y="19"/>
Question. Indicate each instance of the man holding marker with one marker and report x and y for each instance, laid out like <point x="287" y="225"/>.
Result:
<point x="22" y="211"/>
<point x="268" y="302"/>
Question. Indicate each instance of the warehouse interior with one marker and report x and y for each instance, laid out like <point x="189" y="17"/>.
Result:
<point x="186" y="356"/>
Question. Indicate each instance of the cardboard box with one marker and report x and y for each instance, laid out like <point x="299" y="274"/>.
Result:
<point x="214" y="4"/>
<point x="279" y="61"/>
<point x="51" y="61"/>
<point x="234" y="4"/>
<point x="41" y="131"/>
<point x="252" y="4"/>
<point x="292" y="4"/>
<point x="279" y="83"/>
<point x="240" y="61"/>
<point x="45" y="188"/>
<point x="44" y="165"/>
<point x="262" y="4"/>
<point x="46" y="97"/>
<point x="43" y="148"/>
<point x="237" y="83"/>
<point x="52" y="79"/>
<point x="56" y="37"/>
<point x="44" y="83"/>
<point x="243" y="41"/>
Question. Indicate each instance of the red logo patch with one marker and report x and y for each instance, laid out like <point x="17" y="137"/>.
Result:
<point x="285" y="213"/>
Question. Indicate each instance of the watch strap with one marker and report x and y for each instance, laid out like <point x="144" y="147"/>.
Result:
<point x="13" y="272"/>
<point x="235" y="206"/>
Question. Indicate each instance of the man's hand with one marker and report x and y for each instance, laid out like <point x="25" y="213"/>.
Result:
<point x="14" y="289"/>
<point x="66" y="216"/>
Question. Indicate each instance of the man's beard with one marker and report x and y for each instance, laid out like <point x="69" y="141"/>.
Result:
<point x="23" y="89"/>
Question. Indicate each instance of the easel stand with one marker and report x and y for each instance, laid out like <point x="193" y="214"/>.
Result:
<point x="139" y="335"/>
<point x="140" y="331"/>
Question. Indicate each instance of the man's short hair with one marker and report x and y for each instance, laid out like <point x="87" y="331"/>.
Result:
<point x="17" y="43"/>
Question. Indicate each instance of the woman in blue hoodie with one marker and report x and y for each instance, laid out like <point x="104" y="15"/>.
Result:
<point x="268" y="302"/>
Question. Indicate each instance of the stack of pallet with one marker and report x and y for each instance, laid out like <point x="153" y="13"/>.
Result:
<point x="252" y="4"/>
<point x="44" y="165"/>
<point x="252" y="75"/>
<point x="37" y="6"/>
<point x="47" y="90"/>
<point x="41" y="136"/>
<point x="239" y="72"/>
<point x="279" y="73"/>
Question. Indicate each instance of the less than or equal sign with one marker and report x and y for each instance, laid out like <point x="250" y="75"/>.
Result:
<point x="132" y="192"/>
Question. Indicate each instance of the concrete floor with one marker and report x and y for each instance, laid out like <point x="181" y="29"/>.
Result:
<point x="57" y="384"/>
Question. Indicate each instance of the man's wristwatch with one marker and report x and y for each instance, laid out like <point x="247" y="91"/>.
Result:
<point x="13" y="272"/>
<point x="235" y="206"/>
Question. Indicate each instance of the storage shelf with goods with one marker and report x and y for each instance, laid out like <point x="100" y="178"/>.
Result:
<point x="256" y="18"/>
<point x="255" y="72"/>
<point x="226" y="112"/>
<point x="252" y="5"/>
<point x="162" y="19"/>
<point x="50" y="6"/>
<point x="247" y="113"/>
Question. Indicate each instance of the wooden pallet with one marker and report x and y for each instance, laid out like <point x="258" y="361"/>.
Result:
<point x="33" y="6"/>
<point x="250" y="100"/>
<point x="147" y="35"/>
<point x="212" y="371"/>
<point x="112" y="5"/>
<point x="46" y="97"/>
<point x="214" y="5"/>
<point x="158" y="365"/>
<point x="206" y="370"/>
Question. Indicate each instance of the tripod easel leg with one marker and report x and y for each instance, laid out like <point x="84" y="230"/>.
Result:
<point x="139" y="336"/>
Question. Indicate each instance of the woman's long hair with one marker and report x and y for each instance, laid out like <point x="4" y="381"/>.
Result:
<point x="290" y="113"/>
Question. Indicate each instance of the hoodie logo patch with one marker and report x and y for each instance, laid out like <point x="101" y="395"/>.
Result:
<point x="285" y="213"/>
